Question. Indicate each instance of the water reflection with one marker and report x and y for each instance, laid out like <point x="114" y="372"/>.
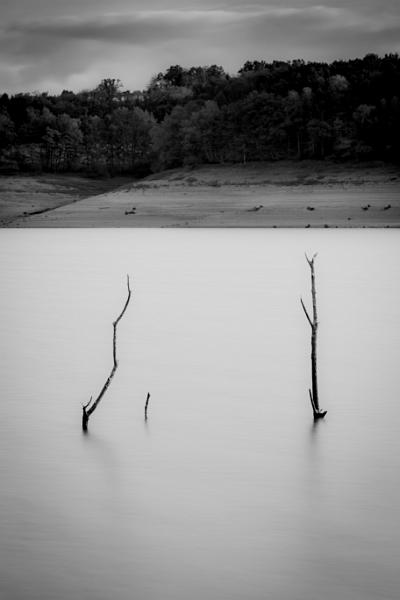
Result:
<point x="315" y="428"/>
<point x="103" y="455"/>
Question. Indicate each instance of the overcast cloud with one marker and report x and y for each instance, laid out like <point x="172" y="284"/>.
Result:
<point x="51" y="45"/>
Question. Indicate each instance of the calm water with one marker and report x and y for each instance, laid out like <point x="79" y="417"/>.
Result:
<point x="228" y="491"/>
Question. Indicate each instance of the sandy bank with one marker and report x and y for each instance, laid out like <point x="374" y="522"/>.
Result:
<point x="23" y="196"/>
<point x="261" y="195"/>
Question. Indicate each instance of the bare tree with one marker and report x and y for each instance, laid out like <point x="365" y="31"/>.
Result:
<point x="90" y="407"/>
<point x="318" y="414"/>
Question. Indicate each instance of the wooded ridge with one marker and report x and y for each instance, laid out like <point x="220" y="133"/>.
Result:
<point x="345" y="110"/>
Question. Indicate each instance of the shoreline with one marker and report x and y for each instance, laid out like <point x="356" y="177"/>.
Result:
<point x="262" y="195"/>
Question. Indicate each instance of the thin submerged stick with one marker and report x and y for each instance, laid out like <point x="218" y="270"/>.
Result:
<point x="90" y="407"/>
<point x="313" y="392"/>
<point x="146" y="406"/>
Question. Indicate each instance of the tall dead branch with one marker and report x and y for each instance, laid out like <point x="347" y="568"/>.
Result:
<point x="313" y="392"/>
<point x="90" y="407"/>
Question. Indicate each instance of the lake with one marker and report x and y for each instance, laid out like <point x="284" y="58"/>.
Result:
<point x="228" y="490"/>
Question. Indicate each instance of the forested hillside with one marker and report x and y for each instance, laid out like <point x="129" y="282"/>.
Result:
<point x="346" y="110"/>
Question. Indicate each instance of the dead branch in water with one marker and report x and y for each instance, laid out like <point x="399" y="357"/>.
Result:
<point x="318" y="414"/>
<point x="90" y="407"/>
<point x="146" y="406"/>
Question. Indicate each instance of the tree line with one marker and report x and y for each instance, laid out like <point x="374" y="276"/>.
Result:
<point x="345" y="110"/>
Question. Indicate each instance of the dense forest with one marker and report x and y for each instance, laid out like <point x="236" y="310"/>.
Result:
<point x="345" y="110"/>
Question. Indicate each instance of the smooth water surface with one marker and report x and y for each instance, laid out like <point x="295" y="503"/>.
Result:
<point x="228" y="491"/>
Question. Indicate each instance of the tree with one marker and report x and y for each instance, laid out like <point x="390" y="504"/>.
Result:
<point x="167" y="140"/>
<point x="202" y="134"/>
<point x="366" y="124"/>
<point x="320" y="134"/>
<point x="269" y="110"/>
<point x="92" y="144"/>
<point x="107" y="95"/>
<point x="313" y="392"/>
<point x="294" y="122"/>
<point x="131" y="138"/>
<point x="7" y="130"/>
<point x="90" y="407"/>
<point x="61" y="144"/>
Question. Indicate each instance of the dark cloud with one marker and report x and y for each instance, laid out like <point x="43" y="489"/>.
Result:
<point x="155" y="27"/>
<point x="59" y="49"/>
<point x="119" y="29"/>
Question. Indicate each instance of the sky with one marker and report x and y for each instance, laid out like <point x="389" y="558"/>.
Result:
<point x="52" y="45"/>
